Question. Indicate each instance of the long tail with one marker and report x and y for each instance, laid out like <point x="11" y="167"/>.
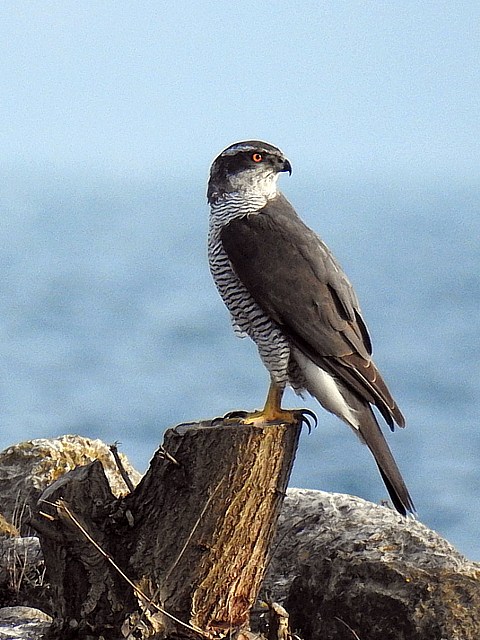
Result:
<point x="373" y="437"/>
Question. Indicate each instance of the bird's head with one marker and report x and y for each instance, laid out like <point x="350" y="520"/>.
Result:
<point x="249" y="168"/>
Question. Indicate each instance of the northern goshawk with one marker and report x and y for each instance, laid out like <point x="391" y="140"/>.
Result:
<point x="284" y="289"/>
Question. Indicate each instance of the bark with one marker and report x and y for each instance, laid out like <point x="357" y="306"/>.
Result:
<point x="194" y="536"/>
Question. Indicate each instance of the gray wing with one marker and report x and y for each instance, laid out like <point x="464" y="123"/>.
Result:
<point x="295" y="279"/>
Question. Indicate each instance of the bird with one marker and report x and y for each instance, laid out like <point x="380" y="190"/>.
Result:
<point x="284" y="289"/>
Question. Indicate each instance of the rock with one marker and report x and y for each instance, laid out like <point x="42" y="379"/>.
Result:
<point x="22" y="572"/>
<point x="7" y="528"/>
<point x="26" y="469"/>
<point x="345" y="568"/>
<point x="23" y="623"/>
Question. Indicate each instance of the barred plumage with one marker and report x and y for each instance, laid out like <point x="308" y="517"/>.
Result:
<point x="246" y="315"/>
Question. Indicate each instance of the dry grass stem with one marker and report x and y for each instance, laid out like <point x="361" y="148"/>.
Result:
<point x="354" y="634"/>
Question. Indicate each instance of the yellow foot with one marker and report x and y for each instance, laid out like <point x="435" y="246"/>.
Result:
<point x="282" y="416"/>
<point x="272" y="413"/>
<point x="272" y="417"/>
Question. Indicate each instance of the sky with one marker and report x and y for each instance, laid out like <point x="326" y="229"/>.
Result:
<point x="135" y="89"/>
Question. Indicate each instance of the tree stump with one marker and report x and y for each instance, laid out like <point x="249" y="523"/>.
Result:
<point x="184" y="554"/>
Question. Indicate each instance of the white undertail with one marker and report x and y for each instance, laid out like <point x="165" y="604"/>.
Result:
<point x="324" y="388"/>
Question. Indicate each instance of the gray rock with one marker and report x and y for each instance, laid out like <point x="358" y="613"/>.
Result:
<point x="23" y="623"/>
<point x="21" y="565"/>
<point x="343" y="566"/>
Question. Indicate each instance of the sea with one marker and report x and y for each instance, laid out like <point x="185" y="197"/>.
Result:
<point x="111" y="326"/>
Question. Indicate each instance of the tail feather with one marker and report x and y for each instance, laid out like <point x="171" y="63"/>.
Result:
<point x="373" y="437"/>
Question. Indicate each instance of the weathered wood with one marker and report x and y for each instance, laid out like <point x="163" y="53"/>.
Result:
<point x="194" y="536"/>
<point x="87" y="593"/>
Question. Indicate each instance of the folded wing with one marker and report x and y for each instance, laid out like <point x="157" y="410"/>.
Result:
<point x="295" y="279"/>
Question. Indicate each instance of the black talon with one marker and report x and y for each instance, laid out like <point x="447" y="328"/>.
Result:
<point x="235" y="415"/>
<point x="231" y="415"/>
<point x="305" y="416"/>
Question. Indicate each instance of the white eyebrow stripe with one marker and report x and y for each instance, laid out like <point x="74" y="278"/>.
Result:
<point x="231" y="151"/>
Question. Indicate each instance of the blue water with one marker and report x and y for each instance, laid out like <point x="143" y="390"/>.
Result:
<point x="111" y="327"/>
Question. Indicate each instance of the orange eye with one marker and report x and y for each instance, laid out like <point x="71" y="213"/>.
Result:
<point x="257" y="157"/>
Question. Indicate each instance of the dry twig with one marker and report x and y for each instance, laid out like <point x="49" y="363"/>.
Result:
<point x="118" y="461"/>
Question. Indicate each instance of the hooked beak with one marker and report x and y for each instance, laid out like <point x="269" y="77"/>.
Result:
<point x="286" y="166"/>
